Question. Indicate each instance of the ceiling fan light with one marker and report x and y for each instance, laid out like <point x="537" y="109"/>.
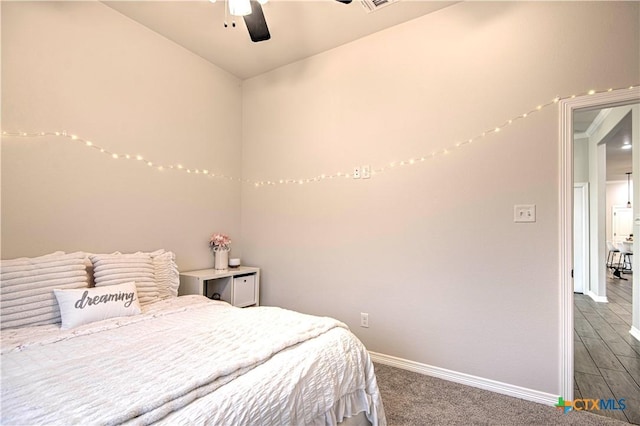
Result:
<point x="262" y="1"/>
<point x="239" y="7"/>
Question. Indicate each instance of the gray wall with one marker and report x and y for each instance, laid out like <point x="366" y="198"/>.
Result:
<point x="86" y="69"/>
<point x="431" y="250"/>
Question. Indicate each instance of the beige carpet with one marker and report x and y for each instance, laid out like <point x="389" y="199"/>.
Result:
<point x="415" y="399"/>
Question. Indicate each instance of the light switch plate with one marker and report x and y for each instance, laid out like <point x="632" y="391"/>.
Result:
<point x="366" y="171"/>
<point x="524" y="213"/>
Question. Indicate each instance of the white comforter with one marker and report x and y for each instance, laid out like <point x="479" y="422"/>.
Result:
<point x="189" y="360"/>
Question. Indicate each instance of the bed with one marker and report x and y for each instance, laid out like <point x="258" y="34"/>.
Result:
<point x="176" y="360"/>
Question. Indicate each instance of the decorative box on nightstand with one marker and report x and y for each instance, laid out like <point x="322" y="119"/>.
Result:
<point x="238" y="286"/>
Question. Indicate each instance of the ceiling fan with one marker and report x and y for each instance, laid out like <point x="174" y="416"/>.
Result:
<point x="251" y="11"/>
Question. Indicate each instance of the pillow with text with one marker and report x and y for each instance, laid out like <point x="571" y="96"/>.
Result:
<point x="83" y="306"/>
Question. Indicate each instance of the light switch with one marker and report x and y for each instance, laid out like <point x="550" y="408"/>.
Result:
<point x="524" y="213"/>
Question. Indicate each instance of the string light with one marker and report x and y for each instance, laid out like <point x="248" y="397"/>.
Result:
<point x="114" y="155"/>
<point x="300" y="181"/>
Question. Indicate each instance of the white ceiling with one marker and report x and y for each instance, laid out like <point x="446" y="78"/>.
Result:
<point x="299" y="28"/>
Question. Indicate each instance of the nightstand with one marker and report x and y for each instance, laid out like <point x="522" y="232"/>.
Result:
<point x="237" y="286"/>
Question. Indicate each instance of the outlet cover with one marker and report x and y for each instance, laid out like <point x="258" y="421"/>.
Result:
<point x="364" y="319"/>
<point x="524" y="213"/>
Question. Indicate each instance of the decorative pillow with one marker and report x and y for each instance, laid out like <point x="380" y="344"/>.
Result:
<point x="25" y="260"/>
<point x="112" y="269"/>
<point x="26" y="287"/>
<point x="166" y="274"/>
<point x="88" y="305"/>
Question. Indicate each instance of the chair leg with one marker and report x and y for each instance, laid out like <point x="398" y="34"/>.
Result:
<point x="627" y="262"/>
<point x="616" y="267"/>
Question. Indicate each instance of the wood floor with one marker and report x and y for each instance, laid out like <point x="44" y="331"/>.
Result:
<point x="606" y="356"/>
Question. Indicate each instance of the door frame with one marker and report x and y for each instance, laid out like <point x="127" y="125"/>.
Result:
<point x="567" y="107"/>
<point x="584" y="192"/>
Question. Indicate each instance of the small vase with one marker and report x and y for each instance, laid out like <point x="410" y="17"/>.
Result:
<point x="221" y="260"/>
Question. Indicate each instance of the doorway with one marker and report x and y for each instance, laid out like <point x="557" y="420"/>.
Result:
<point x="611" y="98"/>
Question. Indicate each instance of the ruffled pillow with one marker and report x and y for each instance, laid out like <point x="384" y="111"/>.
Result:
<point x="112" y="269"/>
<point x="166" y="274"/>
<point x="26" y="287"/>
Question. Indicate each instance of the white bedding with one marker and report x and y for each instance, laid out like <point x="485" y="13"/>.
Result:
<point x="189" y="360"/>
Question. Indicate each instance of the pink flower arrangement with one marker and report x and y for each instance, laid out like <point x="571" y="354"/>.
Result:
<point x="219" y="242"/>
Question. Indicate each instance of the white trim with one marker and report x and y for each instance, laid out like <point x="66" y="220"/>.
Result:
<point x="635" y="332"/>
<point x="466" y="379"/>
<point x="567" y="107"/>
<point x="581" y="135"/>
<point x="593" y="127"/>
<point x="602" y="115"/>
<point x="584" y="234"/>
<point x="596" y="298"/>
<point x="566" y="251"/>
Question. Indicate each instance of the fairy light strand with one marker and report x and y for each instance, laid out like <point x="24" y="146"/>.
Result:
<point x="120" y="156"/>
<point x="300" y="181"/>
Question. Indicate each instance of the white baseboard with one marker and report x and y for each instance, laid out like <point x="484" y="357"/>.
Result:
<point x="466" y="379"/>
<point x="595" y="297"/>
<point x="635" y="333"/>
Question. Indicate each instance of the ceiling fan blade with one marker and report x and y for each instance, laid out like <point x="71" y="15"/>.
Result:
<point x="344" y="1"/>
<point x="256" y="24"/>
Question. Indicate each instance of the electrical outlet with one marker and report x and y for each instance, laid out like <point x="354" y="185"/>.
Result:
<point x="524" y="213"/>
<point x="366" y="172"/>
<point x="364" y="319"/>
<point x="356" y="172"/>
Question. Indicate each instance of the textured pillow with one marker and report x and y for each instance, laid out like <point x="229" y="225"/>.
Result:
<point x="112" y="269"/>
<point x="26" y="287"/>
<point x="166" y="274"/>
<point x="88" y="305"/>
